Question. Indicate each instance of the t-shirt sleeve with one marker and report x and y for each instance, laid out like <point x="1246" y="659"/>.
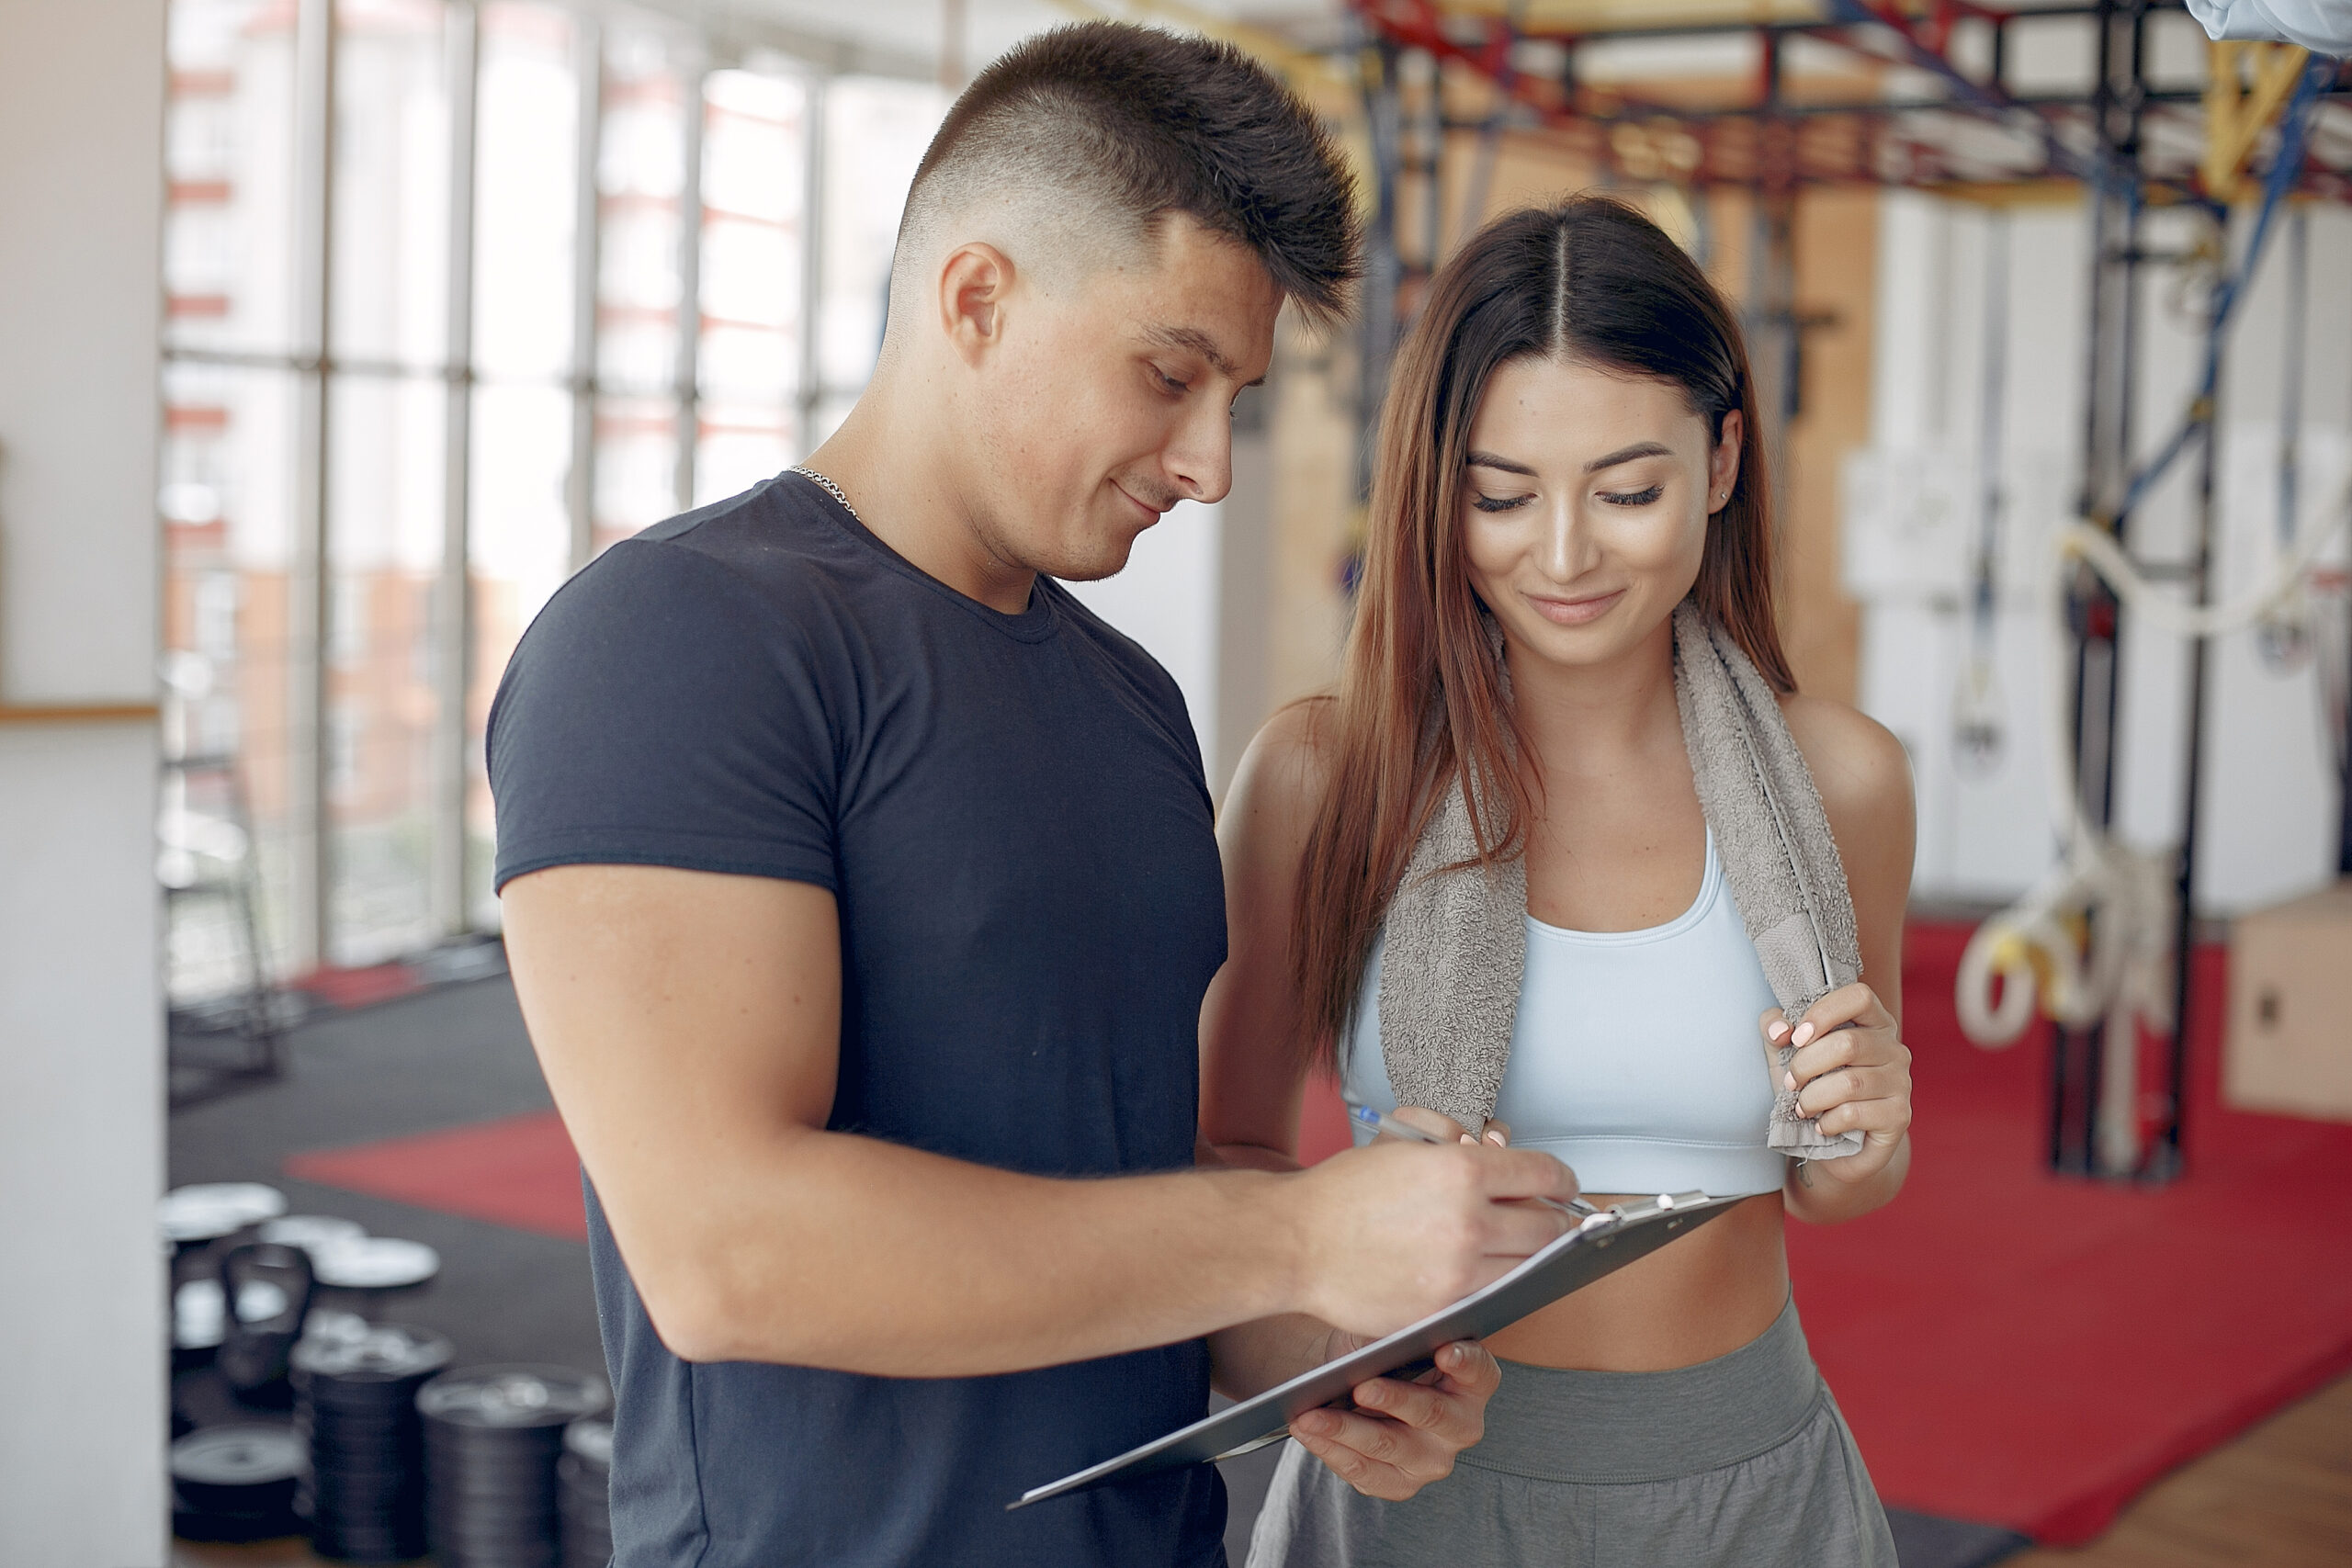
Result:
<point x="661" y="711"/>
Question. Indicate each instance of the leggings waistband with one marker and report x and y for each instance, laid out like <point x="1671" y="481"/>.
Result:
<point x="1560" y="1424"/>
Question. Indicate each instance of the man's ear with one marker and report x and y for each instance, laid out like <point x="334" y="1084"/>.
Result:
<point x="973" y="284"/>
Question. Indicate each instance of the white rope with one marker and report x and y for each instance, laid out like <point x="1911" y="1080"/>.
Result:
<point x="2032" y="951"/>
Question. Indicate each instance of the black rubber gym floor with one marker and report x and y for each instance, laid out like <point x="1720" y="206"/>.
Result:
<point x="458" y="1053"/>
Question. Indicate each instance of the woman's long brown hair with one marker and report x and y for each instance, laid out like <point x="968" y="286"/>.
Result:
<point x="1420" y="700"/>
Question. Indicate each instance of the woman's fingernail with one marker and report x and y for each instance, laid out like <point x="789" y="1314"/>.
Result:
<point x="1496" y="1139"/>
<point x="1778" y="1030"/>
<point x="1789" y="1079"/>
<point x="1803" y="1033"/>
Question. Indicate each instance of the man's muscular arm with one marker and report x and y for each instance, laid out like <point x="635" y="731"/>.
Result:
<point x="688" y="1024"/>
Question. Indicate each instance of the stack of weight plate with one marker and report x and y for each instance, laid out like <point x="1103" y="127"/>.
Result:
<point x="492" y="1436"/>
<point x="584" y="1486"/>
<point x="235" y="1483"/>
<point x="354" y="1403"/>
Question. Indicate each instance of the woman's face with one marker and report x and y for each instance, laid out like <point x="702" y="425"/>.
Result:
<point x="1584" y="503"/>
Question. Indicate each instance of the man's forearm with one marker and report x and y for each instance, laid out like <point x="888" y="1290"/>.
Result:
<point x="839" y="1251"/>
<point x="1251" y="1358"/>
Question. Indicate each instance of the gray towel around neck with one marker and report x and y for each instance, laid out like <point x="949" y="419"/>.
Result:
<point x="1456" y="943"/>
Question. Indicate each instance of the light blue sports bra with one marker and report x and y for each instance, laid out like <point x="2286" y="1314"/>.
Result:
<point x="1636" y="1058"/>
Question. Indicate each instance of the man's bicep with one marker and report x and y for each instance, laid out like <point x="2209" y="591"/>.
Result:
<point x="677" y="1014"/>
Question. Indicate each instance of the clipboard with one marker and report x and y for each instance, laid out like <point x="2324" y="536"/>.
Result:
<point x="1604" y="1243"/>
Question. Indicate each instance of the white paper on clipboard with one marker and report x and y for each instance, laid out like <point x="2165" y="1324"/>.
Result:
<point x="1604" y="1243"/>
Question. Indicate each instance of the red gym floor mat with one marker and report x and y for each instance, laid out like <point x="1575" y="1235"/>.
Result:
<point x="2023" y="1350"/>
<point x="2010" y="1348"/>
<point x="518" y="1171"/>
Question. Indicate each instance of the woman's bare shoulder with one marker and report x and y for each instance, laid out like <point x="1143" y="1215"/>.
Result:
<point x="1860" y="769"/>
<point x="1281" y="781"/>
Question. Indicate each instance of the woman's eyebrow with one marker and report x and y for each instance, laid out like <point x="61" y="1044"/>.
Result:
<point x="1627" y="454"/>
<point x="1622" y="454"/>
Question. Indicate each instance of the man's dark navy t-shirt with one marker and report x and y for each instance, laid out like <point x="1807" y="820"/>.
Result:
<point x="1010" y="814"/>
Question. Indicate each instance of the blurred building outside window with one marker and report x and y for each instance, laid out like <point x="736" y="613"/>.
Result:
<point x="565" y="260"/>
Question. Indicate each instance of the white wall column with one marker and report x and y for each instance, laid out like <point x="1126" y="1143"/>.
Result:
<point x="82" y="1283"/>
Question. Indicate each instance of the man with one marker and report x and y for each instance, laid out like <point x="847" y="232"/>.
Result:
<point x="861" y="893"/>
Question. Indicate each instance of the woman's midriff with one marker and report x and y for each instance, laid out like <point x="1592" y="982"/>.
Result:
<point x="1705" y="1295"/>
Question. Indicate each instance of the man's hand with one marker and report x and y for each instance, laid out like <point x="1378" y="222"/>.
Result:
<point x="1395" y="1231"/>
<point x="1402" y="1436"/>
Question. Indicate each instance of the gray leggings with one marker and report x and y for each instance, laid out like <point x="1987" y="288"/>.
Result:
<point x="1742" y="1461"/>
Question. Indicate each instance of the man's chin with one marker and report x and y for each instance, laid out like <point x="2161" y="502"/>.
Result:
<point x="1107" y="557"/>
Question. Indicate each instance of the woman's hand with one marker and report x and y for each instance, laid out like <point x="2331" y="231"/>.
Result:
<point x="1402" y="1436"/>
<point x="1438" y="1124"/>
<point x="1853" y="1073"/>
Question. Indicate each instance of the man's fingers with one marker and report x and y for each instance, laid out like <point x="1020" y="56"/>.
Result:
<point x="1526" y="1173"/>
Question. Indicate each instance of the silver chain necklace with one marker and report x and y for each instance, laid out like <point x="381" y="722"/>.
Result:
<point x="830" y="488"/>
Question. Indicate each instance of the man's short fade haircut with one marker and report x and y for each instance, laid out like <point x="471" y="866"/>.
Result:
<point x="1110" y="121"/>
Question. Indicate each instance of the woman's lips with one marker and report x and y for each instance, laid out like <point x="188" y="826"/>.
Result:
<point x="1575" y="612"/>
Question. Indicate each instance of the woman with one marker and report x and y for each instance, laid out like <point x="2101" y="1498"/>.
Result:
<point x="1568" y="453"/>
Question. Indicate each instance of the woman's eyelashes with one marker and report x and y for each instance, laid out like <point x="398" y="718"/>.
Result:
<point x="1633" y="498"/>
<point x="1613" y="498"/>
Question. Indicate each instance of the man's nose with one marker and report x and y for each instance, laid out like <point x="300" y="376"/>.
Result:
<point x="1199" y="461"/>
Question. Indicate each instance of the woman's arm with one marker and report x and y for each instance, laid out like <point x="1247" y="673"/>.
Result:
<point x="1254" y="1061"/>
<point x="1858" y="1075"/>
<point x="1253" y="1057"/>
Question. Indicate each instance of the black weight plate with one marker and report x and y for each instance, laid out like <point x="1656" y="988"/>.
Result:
<point x="478" y="1517"/>
<point x="459" y="1447"/>
<point x="494" y="1480"/>
<point x="190" y="1525"/>
<point x="453" y="1554"/>
<point x="363" y="1434"/>
<point x="493" y="1456"/>
<point x="515" y="1557"/>
<point x="527" y="1484"/>
<point x="381" y="1490"/>
<point x="385" y="1353"/>
<point x="245" y="1455"/>
<point x="370" y="1549"/>
<point x="476" y="1460"/>
<point x="513" y="1396"/>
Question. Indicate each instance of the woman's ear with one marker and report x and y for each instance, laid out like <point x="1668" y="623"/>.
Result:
<point x="1723" y="464"/>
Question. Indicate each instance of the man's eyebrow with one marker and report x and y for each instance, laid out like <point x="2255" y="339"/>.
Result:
<point x="1191" y="340"/>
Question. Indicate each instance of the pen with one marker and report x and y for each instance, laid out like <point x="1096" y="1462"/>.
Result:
<point x="1381" y="1120"/>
